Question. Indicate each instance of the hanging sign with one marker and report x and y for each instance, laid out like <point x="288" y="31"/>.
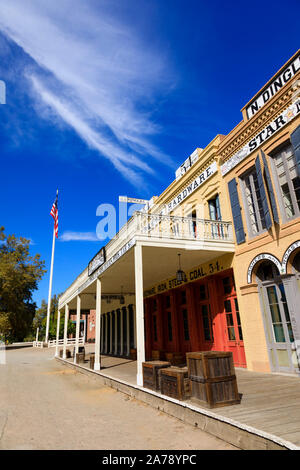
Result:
<point x="97" y="261"/>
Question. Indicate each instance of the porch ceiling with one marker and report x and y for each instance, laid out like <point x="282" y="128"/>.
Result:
<point x="159" y="264"/>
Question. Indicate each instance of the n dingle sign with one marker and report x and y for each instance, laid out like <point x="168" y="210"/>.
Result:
<point x="281" y="78"/>
<point x="97" y="261"/>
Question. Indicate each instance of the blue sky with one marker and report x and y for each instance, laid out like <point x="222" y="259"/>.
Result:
<point x="109" y="97"/>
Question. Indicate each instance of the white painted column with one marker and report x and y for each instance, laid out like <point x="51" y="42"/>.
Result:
<point x="116" y="333"/>
<point x="102" y="335"/>
<point x="110" y="339"/>
<point x="134" y="325"/>
<point x="128" y="331"/>
<point x="77" y="326"/>
<point x="84" y="328"/>
<point x="121" y="335"/>
<point x="57" y="333"/>
<point x="139" y="313"/>
<point x="98" y="325"/>
<point x="66" y="330"/>
<point x="105" y="339"/>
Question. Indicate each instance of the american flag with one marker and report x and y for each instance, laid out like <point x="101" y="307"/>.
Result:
<point x="54" y="213"/>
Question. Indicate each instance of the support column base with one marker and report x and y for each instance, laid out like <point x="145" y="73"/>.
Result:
<point x="139" y="379"/>
<point x="97" y="366"/>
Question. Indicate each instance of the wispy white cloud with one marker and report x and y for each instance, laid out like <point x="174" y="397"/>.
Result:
<point x="94" y="73"/>
<point x="69" y="236"/>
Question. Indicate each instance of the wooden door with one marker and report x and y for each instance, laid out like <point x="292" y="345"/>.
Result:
<point x="204" y="317"/>
<point x="183" y="321"/>
<point x="281" y="338"/>
<point x="233" y="338"/>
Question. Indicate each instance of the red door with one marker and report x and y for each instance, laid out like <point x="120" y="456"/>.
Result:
<point x="183" y="322"/>
<point x="169" y="332"/>
<point x="204" y="318"/>
<point x="231" y="322"/>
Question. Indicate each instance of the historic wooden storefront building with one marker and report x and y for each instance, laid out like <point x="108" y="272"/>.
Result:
<point x="260" y="162"/>
<point x="213" y="263"/>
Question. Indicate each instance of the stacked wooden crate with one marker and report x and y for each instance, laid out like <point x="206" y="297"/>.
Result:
<point x="151" y="373"/>
<point x="133" y="354"/>
<point x="176" y="358"/>
<point x="157" y="355"/>
<point x="80" y="357"/>
<point x="92" y="361"/>
<point x="174" y="382"/>
<point x="68" y="353"/>
<point x="213" y="379"/>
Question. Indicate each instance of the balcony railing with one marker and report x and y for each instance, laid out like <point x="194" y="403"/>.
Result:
<point x="172" y="227"/>
<point x="153" y="226"/>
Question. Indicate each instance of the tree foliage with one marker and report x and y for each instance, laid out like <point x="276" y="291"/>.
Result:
<point x="40" y="320"/>
<point x="19" y="277"/>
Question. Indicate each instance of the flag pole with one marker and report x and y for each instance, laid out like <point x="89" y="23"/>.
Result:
<point x="50" y="285"/>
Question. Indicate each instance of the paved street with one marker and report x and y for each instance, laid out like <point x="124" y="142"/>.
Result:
<point x="45" y="405"/>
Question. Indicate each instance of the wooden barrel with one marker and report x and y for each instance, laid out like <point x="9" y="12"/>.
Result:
<point x="212" y="376"/>
<point x="150" y="373"/>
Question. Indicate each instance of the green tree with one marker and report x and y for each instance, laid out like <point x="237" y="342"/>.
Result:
<point x="19" y="277"/>
<point x="40" y="320"/>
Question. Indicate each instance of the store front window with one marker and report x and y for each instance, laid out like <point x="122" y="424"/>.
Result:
<point x="289" y="181"/>
<point x="277" y="318"/>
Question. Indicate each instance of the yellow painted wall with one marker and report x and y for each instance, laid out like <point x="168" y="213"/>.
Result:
<point x="275" y="241"/>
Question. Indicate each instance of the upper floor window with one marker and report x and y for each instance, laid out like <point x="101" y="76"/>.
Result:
<point x="253" y="203"/>
<point x="289" y="181"/>
<point x="214" y="208"/>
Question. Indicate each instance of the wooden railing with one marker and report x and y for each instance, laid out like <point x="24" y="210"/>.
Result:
<point x="182" y="228"/>
<point x="70" y="341"/>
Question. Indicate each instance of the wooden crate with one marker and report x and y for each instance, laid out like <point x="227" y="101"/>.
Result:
<point x="80" y="357"/>
<point x="151" y="373"/>
<point x="157" y="355"/>
<point x="92" y="361"/>
<point x="133" y="354"/>
<point x="174" y="382"/>
<point x="176" y="358"/>
<point x="213" y="380"/>
<point x="68" y="353"/>
<point x="81" y="349"/>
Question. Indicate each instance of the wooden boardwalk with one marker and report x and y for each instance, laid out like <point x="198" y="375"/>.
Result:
<point x="270" y="402"/>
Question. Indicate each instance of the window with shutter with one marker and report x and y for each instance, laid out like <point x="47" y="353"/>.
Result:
<point x="295" y="139"/>
<point x="263" y="195"/>
<point x="289" y="181"/>
<point x="270" y="190"/>
<point x="255" y="201"/>
<point x="236" y="211"/>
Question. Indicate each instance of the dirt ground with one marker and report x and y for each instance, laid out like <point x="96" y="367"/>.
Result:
<point x="45" y="405"/>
